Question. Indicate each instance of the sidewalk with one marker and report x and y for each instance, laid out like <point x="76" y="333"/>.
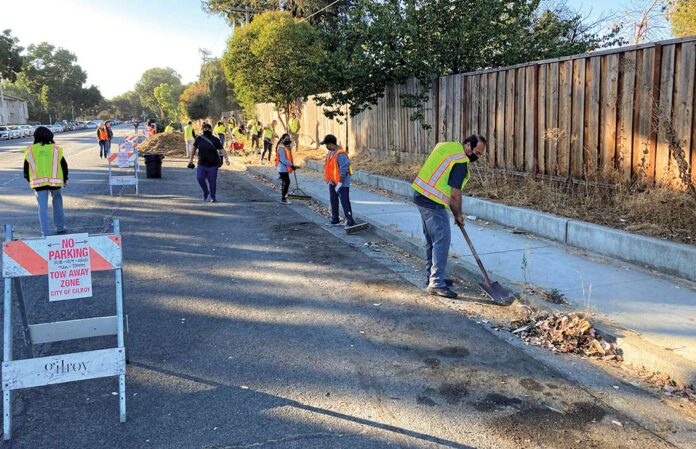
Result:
<point x="660" y="310"/>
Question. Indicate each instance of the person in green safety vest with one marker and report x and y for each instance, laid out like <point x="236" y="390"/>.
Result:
<point x="294" y="130"/>
<point x="267" y="134"/>
<point x="219" y="132"/>
<point x="189" y="137"/>
<point x="439" y="186"/>
<point x="255" y="131"/>
<point x="169" y="128"/>
<point x="46" y="171"/>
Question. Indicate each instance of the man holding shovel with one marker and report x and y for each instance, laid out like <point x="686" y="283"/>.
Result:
<point x="439" y="185"/>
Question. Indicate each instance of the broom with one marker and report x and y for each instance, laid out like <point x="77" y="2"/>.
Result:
<point x="297" y="193"/>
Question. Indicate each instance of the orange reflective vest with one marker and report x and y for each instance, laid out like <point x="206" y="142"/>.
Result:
<point x="288" y="156"/>
<point x="152" y="130"/>
<point x="332" y="172"/>
<point x="103" y="134"/>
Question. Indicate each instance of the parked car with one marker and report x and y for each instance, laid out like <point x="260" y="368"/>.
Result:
<point x="4" y="133"/>
<point x="56" y="128"/>
<point x="92" y="124"/>
<point x="15" y="132"/>
<point x="28" y="130"/>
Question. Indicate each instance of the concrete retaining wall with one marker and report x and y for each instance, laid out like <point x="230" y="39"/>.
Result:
<point x="664" y="256"/>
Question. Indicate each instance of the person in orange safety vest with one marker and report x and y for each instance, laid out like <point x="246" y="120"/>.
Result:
<point x="337" y="173"/>
<point x="104" y="136"/>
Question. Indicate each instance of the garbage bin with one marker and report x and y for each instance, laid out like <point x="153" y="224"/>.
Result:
<point x="153" y="165"/>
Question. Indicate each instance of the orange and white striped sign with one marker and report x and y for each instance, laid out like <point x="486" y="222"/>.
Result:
<point x="132" y="156"/>
<point x="30" y="257"/>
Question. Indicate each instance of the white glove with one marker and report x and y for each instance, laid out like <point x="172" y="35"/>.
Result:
<point x="338" y="186"/>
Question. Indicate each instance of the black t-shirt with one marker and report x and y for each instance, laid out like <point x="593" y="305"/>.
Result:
<point x="456" y="178"/>
<point x="208" y="154"/>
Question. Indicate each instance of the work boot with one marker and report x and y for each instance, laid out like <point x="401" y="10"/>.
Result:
<point x="442" y="291"/>
<point x="333" y="223"/>
<point x="285" y="201"/>
<point x="448" y="282"/>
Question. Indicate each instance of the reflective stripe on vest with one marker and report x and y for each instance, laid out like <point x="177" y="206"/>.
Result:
<point x="44" y="174"/>
<point x="332" y="172"/>
<point x="433" y="178"/>
<point x="288" y="156"/>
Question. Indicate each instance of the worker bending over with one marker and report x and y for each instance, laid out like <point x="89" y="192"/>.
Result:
<point x="439" y="185"/>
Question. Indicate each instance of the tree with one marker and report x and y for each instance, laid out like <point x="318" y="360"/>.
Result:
<point x="55" y="80"/>
<point x="239" y="12"/>
<point x="190" y="93"/>
<point x="199" y="107"/>
<point x="151" y="78"/>
<point x="10" y="56"/>
<point x="167" y="97"/>
<point x="275" y="59"/>
<point x="127" y="105"/>
<point x="212" y="78"/>
<point x="682" y="17"/>
<point x="375" y="44"/>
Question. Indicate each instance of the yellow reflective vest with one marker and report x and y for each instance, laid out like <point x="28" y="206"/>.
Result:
<point x="188" y="132"/>
<point x="219" y="129"/>
<point x="169" y="129"/>
<point x="44" y="165"/>
<point x="294" y="125"/>
<point x="433" y="177"/>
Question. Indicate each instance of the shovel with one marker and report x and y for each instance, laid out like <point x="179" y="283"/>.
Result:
<point x="298" y="193"/>
<point x="498" y="293"/>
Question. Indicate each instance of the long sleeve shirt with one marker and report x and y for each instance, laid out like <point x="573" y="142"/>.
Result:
<point x="343" y="167"/>
<point x="283" y="161"/>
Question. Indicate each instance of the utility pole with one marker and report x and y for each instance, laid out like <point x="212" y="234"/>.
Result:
<point x="2" y="103"/>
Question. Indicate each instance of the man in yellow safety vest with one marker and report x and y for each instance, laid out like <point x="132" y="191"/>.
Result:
<point x="47" y="172"/>
<point x="439" y="185"/>
<point x="294" y="131"/>
<point x="189" y="137"/>
<point x="169" y="128"/>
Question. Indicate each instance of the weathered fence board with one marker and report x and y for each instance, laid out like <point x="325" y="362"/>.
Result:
<point x="575" y="116"/>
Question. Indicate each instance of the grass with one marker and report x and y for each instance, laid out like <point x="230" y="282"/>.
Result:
<point x="658" y="211"/>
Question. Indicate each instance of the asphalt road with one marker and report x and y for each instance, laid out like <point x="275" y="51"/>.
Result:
<point x="253" y="326"/>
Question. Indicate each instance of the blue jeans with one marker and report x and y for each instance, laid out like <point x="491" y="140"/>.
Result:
<point x="58" y="213"/>
<point x="436" y="228"/>
<point x="208" y="174"/>
<point x="344" y="195"/>
<point x="104" y="147"/>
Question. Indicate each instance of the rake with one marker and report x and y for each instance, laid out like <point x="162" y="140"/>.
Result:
<point x="297" y="193"/>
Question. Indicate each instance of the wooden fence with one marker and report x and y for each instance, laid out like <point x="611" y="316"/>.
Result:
<point x="628" y="111"/>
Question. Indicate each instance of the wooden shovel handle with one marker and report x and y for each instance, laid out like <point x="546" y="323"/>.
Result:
<point x="473" y="251"/>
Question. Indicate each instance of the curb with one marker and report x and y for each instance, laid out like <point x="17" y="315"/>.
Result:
<point x="678" y="259"/>
<point x="636" y="351"/>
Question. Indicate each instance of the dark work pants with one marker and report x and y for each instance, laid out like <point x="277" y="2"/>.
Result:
<point x="208" y="174"/>
<point x="267" y="146"/>
<point x="285" y="180"/>
<point x="344" y="196"/>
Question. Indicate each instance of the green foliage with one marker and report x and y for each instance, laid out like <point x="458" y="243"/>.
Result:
<point x="275" y="59"/>
<point x="10" y="56"/>
<point x="167" y="99"/>
<point x="682" y="17"/>
<point x="212" y="78"/>
<point x="127" y="105"/>
<point x="239" y="12"/>
<point x="199" y="107"/>
<point x="54" y="82"/>
<point x="375" y="44"/>
<point x="152" y="78"/>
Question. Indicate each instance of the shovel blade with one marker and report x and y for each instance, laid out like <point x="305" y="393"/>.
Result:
<point x="499" y="294"/>
<point x="356" y="228"/>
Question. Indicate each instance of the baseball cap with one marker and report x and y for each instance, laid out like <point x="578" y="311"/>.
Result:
<point x="329" y="138"/>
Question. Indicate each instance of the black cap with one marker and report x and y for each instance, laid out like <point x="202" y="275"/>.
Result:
<point x="329" y="138"/>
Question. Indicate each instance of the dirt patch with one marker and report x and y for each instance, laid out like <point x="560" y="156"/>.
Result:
<point x="169" y="144"/>
<point x="425" y="400"/>
<point x="453" y="392"/>
<point x="495" y="400"/>
<point x="531" y="384"/>
<point x="655" y="211"/>
<point x="432" y="362"/>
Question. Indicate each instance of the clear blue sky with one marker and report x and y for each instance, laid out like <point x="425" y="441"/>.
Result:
<point x="116" y="41"/>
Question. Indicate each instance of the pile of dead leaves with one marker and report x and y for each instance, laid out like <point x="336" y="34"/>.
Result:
<point x="169" y="144"/>
<point x="565" y="332"/>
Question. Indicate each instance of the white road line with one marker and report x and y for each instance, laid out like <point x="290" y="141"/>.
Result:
<point x="13" y="179"/>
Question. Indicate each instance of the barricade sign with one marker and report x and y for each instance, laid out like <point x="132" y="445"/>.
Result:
<point x="69" y="258"/>
<point x="125" y="157"/>
<point x="69" y="275"/>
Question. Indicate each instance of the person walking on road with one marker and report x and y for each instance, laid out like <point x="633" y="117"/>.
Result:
<point x="285" y="164"/>
<point x="210" y="154"/>
<point x="337" y="174"/>
<point x="294" y="129"/>
<point x="104" y="136"/>
<point x="189" y="137"/>
<point x="136" y="125"/>
<point x="268" y="141"/>
<point x="46" y="171"/>
<point x="439" y="185"/>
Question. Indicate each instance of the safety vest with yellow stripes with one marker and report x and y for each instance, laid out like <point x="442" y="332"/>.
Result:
<point x="433" y="177"/>
<point x="44" y="165"/>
